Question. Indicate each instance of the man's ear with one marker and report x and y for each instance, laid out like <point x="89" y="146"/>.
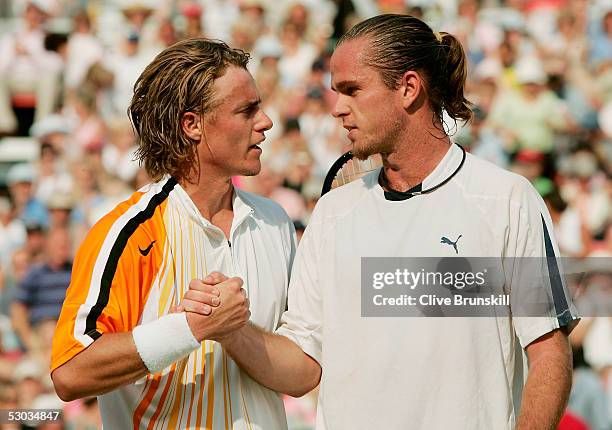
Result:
<point x="192" y="125"/>
<point x="411" y="87"/>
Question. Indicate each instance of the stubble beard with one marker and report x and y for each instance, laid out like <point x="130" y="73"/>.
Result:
<point x="382" y="144"/>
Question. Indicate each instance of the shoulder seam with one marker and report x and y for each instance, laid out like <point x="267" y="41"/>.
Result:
<point x="106" y="265"/>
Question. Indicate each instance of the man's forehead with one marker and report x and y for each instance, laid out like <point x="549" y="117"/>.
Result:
<point x="349" y="52"/>
<point x="235" y="86"/>
<point x="347" y="58"/>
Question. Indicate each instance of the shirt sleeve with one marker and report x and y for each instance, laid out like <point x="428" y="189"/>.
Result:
<point x="540" y="301"/>
<point x="292" y="246"/>
<point x="303" y="320"/>
<point x="108" y="290"/>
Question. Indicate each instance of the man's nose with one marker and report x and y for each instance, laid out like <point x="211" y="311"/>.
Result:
<point x="340" y="107"/>
<point x="264" y="123"/>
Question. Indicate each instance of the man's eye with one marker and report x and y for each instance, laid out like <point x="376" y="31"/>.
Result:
<point x="250" y="111"/>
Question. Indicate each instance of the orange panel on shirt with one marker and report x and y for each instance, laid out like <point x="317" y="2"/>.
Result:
<point x="112" y="274"/>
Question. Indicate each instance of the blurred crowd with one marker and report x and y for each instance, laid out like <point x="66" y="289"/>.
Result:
<point x="540" y="78"/>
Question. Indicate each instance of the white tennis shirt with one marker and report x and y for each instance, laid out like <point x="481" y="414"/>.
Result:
<point x="418" y="373"/>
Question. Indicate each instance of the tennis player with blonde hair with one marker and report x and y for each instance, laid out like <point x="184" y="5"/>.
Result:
<point x="122" y="335"/>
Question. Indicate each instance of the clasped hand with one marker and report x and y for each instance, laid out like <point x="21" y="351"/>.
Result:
<point x="216" y="306"/>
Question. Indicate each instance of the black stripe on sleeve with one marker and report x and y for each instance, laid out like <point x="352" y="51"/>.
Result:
<point x="564" y="316"/>
<point x="116" y="251"/>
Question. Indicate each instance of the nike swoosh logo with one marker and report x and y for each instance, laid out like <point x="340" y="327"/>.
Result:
<point x="146" y="251"/>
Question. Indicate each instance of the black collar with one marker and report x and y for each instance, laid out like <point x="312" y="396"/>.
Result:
<point x="396" y="196"/>
<point x="417" y="190"/>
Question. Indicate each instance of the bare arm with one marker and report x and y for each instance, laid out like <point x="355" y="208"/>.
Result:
<point x="113" y="361"/>
<point x="110" y="362"/>
<point x="548" y="383"/>
<point x="274" y="361"/>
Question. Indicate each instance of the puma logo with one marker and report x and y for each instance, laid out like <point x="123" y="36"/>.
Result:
<point x="146" y="251"/>
<point x="449" y="242"/>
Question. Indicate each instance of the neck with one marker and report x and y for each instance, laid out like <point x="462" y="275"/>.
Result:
<point x="415" y="157"/>
<point x="212" y="194"/>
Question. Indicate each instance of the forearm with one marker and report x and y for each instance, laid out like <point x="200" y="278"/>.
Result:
<point x="21" y="326"/>
<point x="110" y="362"/>
<point x="274" y="361"/>
<point x="547" y="390"/>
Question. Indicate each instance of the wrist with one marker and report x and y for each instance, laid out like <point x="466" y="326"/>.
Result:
<point x="164" y="341"/>
<point x="199" y="335"/>
<point x="232" y="339"/>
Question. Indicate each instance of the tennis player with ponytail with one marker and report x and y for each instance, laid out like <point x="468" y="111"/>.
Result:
<point x="394" y="77"/>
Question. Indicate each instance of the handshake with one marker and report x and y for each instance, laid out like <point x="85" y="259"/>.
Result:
<point x="216" y="307"/>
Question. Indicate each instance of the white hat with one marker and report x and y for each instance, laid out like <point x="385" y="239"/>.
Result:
<point x="136" y="5"/>
<point x="60" y="200"/>
<point x="47" y="401"/>
<point x="50" y="124"/>
<point x="28" y="369"/>
<point x="268" y="46"/>
<point x="45" y="6"/>
<point x="489" y="68"/>
<point x="22" y="172"/>
<point x="530" y="71"/>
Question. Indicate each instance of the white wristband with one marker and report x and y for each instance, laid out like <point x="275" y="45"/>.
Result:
<point x="164" y="341"/>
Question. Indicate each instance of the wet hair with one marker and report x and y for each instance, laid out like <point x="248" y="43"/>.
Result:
<point x="399" y="43"/>
<point x="179" y="80"/>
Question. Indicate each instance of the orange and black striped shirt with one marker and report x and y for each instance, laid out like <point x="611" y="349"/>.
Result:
<point x="137" y="262"/>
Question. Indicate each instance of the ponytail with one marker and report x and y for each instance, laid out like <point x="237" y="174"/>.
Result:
<point x="455" y="70"/>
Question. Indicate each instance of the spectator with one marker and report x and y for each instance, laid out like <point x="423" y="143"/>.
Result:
<point x="22" y="71"/>
<point x="53" y="176"/>
<point x="219" y="18"/>
<point x="601" y="48"/>
<point x="86" y="417"/>
<point x="53" y="130"/>
<point x="320" y="131"/>
<point x="84" y="50"/>
<point x="90" y="133"/>
<point x="40" y="295"/>
<point x="29" y="209"/>
<point x="192" y="12"/>
<point x="12" y="232"/>
<point x="298" y="56"/>
<point x="35" y="243"/>
<point x="588" y="397"/>
<point x="528" y="118"/>
<point x="119" y="157"/>
<point x="28" y="375"/>
<point x="126" y="65"/>
<point x="13" y="275"/>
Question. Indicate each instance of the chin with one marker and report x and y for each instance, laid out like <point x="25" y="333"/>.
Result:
<point x="362" y="152"/>
<point x="251" y="170"/>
